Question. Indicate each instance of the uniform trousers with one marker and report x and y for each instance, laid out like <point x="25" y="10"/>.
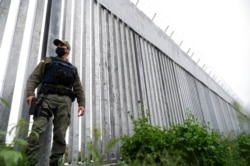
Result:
<point x="59" y="108"/>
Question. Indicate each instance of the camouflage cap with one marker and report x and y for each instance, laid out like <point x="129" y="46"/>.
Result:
<point x="57" y="41"/>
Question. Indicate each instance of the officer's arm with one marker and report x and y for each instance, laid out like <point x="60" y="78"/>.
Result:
<point x="35" y="78"/>
<point x="78" y="89"/>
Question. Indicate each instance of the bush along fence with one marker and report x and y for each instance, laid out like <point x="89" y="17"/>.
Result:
<point x="190" y="143"/>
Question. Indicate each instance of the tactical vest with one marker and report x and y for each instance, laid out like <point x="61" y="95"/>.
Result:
<point x="59" y="73"/>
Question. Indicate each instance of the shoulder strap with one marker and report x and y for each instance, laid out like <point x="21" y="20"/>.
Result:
<point x="48" y="61"/>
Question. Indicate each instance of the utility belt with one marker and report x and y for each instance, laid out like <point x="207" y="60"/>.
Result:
<point x="50" y="89"/>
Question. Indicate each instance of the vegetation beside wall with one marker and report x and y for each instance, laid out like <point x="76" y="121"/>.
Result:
<point x="191" y="143"/>
<point x="12" y="154"/>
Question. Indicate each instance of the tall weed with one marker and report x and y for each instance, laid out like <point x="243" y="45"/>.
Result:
<point x="13" y="154"/>
<point x="191" y="143"/>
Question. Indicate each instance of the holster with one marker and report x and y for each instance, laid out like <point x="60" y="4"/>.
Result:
<point x="34" y="108"/>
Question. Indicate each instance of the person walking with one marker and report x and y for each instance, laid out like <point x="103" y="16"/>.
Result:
<point x="58" y="85"/>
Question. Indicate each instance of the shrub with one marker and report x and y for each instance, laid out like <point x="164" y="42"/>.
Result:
<point x="147" y="146"/>
<point x="13" y="154"/>
<point x="244" y="147"/>
<point x="143" y="142"/>
<point x="190" y="143"/>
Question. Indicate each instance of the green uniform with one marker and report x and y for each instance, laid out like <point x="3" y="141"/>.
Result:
<point x="37" y="76"/>
<point x="54" y="104"/>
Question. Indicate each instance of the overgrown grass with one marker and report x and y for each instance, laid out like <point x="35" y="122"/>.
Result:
<point x="95" y="155"/>
<point x="191" y="143"/>
<point x="12" y="154"/>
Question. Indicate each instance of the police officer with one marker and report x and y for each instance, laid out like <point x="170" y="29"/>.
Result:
<point x="58" y="84"/>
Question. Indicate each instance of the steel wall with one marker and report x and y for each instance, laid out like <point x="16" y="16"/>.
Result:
<point x="124" y="62"/>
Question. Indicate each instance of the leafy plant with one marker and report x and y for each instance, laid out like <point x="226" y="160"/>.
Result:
<point x="197" y="145"/>
<point x="5" y="102"/>
<point x="13" y="154"/>
<point x="95" y="153"/>
<point x="190" y="143"/>
<point x="244" y="146"/>
<point x="147" y="146"/>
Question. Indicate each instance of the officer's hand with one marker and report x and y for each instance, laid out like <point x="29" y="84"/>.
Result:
<point x="81" y="111"/>
<point x="29" y="99"/>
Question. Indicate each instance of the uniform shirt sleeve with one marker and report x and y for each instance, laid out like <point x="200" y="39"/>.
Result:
<point x="78" y="89"/>
<point x="36" y="76"/>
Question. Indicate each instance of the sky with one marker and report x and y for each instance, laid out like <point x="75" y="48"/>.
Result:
<point x="216" y="32"/>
